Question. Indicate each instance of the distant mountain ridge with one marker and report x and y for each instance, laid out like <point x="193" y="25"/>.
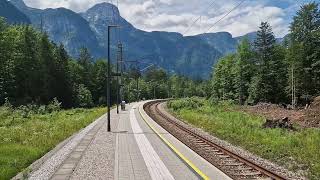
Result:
<point x="193" y="56"/>
<point x="63" y="26"/>
<point x="12" y="14"/>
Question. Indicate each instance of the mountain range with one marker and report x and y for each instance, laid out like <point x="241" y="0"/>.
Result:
<point x="192" y="56"/>
<point x="12" y="14"/>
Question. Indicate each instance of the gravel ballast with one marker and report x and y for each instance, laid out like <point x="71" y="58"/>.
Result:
<point x="237" y="150"/>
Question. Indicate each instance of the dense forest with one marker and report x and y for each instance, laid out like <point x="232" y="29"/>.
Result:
<point x="34" y="70"/>
<point x="268" y="72"/>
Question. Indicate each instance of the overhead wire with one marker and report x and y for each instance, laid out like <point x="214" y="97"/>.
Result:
<point x="197" y="19"/>
<point x="237" y="6"/>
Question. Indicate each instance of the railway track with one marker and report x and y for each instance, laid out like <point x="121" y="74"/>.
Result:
<point x="230" y="163"/>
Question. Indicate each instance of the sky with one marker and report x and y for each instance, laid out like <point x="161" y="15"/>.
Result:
<point x="179" y="15"/>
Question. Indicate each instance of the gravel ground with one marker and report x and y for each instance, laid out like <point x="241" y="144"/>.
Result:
<point x="237" y="150"/>
<point x="98" y="160"/>
<point x="50" y="165"/>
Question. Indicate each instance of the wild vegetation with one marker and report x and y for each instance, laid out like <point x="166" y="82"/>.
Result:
<point x="34" y="70"/>
<point x="38" y="79"/>
<point x="157" y="84"/>
<point x="268" y="72"/>
<point x="28" y="132"/>
<point x="296" y="150"/>
<point x="265" y="71"/>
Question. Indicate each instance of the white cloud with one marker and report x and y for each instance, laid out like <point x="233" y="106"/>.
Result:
<point x="177" y="15"/>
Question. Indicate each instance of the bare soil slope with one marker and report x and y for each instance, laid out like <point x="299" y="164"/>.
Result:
<point x="304" y="117"/>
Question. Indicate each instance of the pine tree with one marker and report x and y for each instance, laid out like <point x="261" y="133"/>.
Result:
<point x="266" y="85"/>
<point x="7" y="77"/>
<point x="86" y="61"/>
<point x="47" y="69"/>
<point x="100" y="82"/>
<point x="244" y="70"/>
<point x="27" y="69"/>
<point x="305" y="52"/>
<point x="2" y="61"/>
<point x="63" y="90"/>
<point x="224" y="78"/>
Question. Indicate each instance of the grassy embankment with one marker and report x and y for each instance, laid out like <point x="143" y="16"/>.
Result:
<point x="26" y="135"/>
<point x="298" y="150"/>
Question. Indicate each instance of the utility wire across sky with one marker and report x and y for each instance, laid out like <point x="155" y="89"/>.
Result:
<point x="214" y="24"/>
<point x="198" y="18"/>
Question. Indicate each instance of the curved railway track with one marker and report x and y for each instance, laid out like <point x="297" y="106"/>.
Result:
<point x="232" y="164"/>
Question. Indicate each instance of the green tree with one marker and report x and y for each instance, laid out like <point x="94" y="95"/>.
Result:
<point x="47" y="59"/>
<point x="305" y="52"/>
<point x="100" y="82"/>
<point x="7" y="51"/>
<point x="28" y="67"/>
<point x="224" y="77"/>
<point x="244" y="70"/>
<point x="268" y="82"/>
<point x="83" y="97"/>
<point x="63" y="89"/>
<point x="86" y="61"/>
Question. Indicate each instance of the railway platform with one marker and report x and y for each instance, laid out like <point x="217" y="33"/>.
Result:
<point x="137" y="148"/>
<point x="144" y="150"/>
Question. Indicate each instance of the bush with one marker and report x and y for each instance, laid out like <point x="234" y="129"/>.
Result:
<point x="187" y="103"/>
<point x="54" y="106"/>
<point x="213" y="101"/>
<point x="24" y="111"/>
<point x="84" y="97"/>
<point x="8" y="105"/>
<point x="42" y="109"/>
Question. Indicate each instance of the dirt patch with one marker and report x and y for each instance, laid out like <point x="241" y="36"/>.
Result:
<point x="279" y="123"/>
<point x="311" y="115"/>
<point x="275" y="112"/>
<point x="304" y="117"/>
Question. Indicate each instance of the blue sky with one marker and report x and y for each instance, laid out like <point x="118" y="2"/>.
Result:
<point x="177" y="15"/>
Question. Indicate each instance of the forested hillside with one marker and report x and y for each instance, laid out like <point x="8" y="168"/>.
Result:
<point x="36" y="70"/>
<point x="268" y="72"/>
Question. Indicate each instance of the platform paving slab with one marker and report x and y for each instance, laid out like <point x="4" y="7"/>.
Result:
<point x="207" y="168"/>
<point x="52" y="161"/>
<point x="176" y="166"/>
<point x="129" y="161"/>
<point x="97" y="161"/>
<point x="132" y="151"/>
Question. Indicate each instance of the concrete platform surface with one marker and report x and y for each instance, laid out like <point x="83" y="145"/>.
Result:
<point x="136" y="149"/>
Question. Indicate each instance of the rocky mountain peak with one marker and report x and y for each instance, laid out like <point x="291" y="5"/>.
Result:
<point x="103" y="10"/>
<point x="172" y="51"/>
<point x="12" y="14"/>
<point x="19" y="4"/>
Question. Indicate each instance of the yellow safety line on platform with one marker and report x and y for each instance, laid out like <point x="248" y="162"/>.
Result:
<point x="186" y="160"/>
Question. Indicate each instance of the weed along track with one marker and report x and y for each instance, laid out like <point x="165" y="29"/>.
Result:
<point x="232" y="164"/>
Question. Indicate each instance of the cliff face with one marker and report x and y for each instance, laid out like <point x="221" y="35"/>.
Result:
<point x="193" y="56"/>
<point x="63" y="26"/>
<point x="12" y="14"/>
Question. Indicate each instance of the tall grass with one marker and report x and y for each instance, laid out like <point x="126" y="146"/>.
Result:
<point x="296" y="150"/>
<point x="26" y="137"/>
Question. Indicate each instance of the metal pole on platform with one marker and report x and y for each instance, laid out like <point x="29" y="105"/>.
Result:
<point x="109" y="79"/>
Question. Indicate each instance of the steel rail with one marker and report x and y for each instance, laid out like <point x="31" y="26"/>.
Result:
<point x="148" y="108"/>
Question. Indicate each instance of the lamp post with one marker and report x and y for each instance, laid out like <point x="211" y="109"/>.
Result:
<point x="119" y="59"/>
<point x="109" y="78"/>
